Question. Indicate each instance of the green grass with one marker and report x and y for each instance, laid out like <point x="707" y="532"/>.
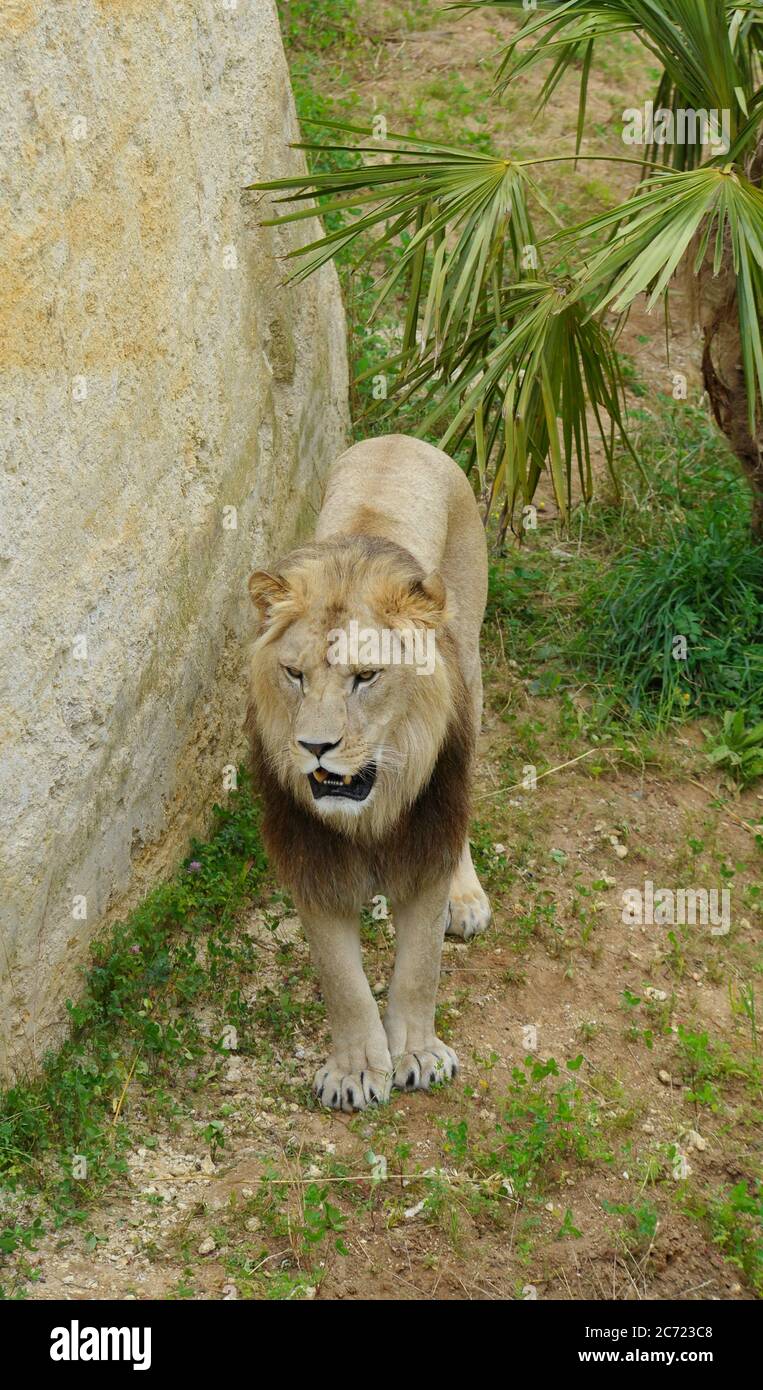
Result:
<point x="671" y="559"/>
<point x="134" y="1028"/>
<point x="678" y="627"/>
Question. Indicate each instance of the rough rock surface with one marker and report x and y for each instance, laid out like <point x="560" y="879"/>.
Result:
<point x="168" y="409"/>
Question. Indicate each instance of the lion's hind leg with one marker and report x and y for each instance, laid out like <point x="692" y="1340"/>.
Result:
<point x="469" y="907"/>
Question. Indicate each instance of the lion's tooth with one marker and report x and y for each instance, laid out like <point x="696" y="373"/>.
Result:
<point x="320" y="774"/>
<point x="346" y="780"/>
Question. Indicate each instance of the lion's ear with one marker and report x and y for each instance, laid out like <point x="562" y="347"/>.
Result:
<point x="417" y="600"/>
<point x="265" y="590"/>
<point x="430" y="595"/>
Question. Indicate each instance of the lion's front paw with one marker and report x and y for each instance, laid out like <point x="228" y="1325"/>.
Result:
<point x="350" y="1082"/>
<point x="417" y="1071"/>
<point x="468" y="912"/>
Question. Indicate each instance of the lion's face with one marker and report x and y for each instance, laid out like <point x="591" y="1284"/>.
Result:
<point x="350" y="694"/>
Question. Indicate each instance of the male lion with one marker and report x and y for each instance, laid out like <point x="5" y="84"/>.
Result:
<point x="365" y="702"/>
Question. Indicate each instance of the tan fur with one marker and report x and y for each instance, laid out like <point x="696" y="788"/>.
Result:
<point x="398" y="547"/>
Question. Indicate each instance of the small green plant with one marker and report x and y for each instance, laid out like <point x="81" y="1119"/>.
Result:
<point x="705" y="1064"/>
<point x="213" y="1134"/>
<point x="743" y="1001"/>
<point x="699" y="1066"/>
<point x="568" y="1230"/>
<point x="545" y="1117"/>
<point x="735" y="1219"/>
<point x="642" y="1220"/>
<point x="738" y="748"/>
<point x="321" y="1219"/>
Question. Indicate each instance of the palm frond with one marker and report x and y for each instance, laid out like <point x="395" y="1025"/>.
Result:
<point x="524" y="395"/>
<point x="671" y="214"/>
<point x="416" y="196"/>
<point x="709" y="51"/>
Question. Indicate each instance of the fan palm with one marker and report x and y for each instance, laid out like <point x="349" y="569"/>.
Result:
<point x="505" y="338"/>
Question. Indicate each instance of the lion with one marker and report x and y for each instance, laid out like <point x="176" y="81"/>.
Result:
<point x="364" y="707"/>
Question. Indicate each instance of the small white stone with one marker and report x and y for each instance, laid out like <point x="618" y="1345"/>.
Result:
<point x="208" y="1246"/>
<point x="411" y="1212"/>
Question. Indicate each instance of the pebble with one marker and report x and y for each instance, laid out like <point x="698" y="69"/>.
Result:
<point x="414" y="1211"/>
<point x="208" y="1246"/>
<point x="664" y="1077"/>
<point x="694" y="1140"/>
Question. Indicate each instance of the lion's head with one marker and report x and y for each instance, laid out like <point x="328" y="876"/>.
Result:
<point x="354" y="681"/>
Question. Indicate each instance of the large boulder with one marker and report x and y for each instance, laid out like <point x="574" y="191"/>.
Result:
<point x="168" y="411"/>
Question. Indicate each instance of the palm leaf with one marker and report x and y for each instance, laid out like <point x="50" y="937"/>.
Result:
<point x="653" y="231"/>
<point x="709" y="51"/>
<point x="479" y="200"/>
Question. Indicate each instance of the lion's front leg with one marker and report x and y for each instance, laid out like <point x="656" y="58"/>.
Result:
<point x="419" y="1058"/>
<point x="358" y="1070"/>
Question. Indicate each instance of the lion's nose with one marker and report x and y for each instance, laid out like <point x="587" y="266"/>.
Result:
<point x="318" y="749"/>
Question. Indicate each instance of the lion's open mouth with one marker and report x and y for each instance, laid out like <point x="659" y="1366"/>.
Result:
<point x="323" y="783"/>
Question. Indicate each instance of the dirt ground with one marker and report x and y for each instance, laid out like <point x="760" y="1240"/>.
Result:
<point x="297" y="1204"/>
<point x="567" y="983"/>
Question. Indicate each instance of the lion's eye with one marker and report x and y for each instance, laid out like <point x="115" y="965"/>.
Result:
<point x="366" y="677"/>
<point x="293" y="674"/>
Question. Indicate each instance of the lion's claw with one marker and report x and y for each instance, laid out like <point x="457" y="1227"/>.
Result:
<point x="339" y="1088"/>
<point x="428" y="1066"/>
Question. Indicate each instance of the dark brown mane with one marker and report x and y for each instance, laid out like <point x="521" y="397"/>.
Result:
<point x="328" y="871"/>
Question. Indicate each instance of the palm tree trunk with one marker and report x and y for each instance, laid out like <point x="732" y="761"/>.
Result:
<point x="722" y="370"/>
